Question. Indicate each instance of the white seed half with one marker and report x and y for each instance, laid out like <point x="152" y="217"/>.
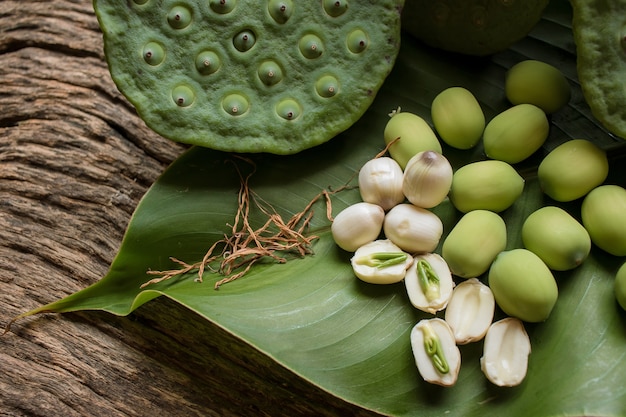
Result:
<point x="380" y="182"/>
<point x="357" y="225"/>
<point x="380" y="275"/>
<point x="505" y="352"/>
<point x="470" y="311"/>
<point x="412" y="228"/>
<point x="449" y="351"/>
<point x="419" y="295"/>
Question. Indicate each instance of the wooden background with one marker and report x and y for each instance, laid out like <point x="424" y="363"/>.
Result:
<point x="74" y="161"/>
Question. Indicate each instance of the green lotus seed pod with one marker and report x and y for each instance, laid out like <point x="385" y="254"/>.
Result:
<point x="474" y="242"/>
<point x="572" y="169"/>
<point x="603" y="214"/>
<point x="487" y="185"/>
<point x="523" y="285"/>
<point x="556" y="237"/>
<point x="538" y="83"/>
<point x="458" y="117"/>
<point x="516" y="133"/>
<point x="415" y="136"/>
<point x="215" y="47"/>
<point x="620" y="286"/>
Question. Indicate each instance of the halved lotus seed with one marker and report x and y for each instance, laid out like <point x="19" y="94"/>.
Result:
<point x="235" y="104"/>
<point x="222" y="6"/>
<point x="270" y="73"/>
<point x="429" y="283"/>
<point x="380" y="262"/>
<point x="288" y="109"/>
<point x="505" y="353"/>
<point x="436" y="354"/>
<point x="153" y="53"/>
<point x="335" y="8"/>
<point x="311" y="46"/>
<point x="244" y="40"/>
<point x="183" y="96"/>
<point x="280" y="10"/>
<point x="208" y="62"/>
<point x="179" y="17"/>
<point x="470" y="311"/>
<point x="327" y="86"/>
<point x="357" y="41"/>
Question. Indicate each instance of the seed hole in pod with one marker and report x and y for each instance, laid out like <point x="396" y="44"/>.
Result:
<point x="327" y="86"/>
<point x="357" y="41"/>
<point x="311" y="46"/>
<point x="288" y="109"/>
<point x="179" y="17"/>
<point x="183" y="96"/>
<point x="280" y="10"/>
<point x="222" y="6"/>
<point x="140" y="2"/>
<point x="270" y="73"/>
<point x="244" y="40"/>
<point x="153" y="53"/>
<point x="235" y="104"/>
<point x="207" y="62"/>
<point x="335" y="8"/>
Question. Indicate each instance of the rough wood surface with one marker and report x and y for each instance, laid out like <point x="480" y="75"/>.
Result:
<point x="74" y="162"/>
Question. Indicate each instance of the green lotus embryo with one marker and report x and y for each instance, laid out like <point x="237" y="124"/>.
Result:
<point x="179" y="17"/>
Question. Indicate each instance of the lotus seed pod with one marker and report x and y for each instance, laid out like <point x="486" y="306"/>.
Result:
<point x="523" y="285"/>
<point x="357" y="225"/>
<point x="415" y="136"/>
<point x="380" y="262"/>
<point x="572" y="169"/>
<point x="538" y="83"/>
<point x="620" y="286"/>
<point x="516" y="133"/>
<point x="603" y="214"/>
<point x="427" y="179"/>
<point x="458" y="117"/>
<point x="436" y="354"/>
<point x="412" y="228"/>
<point x="429" y="283"/>
<point x="470" y="311"/>
<point x="485" y="185"/>
<point x="326" y="60"/>
<point x="556" y="237"/>
<point x="474" y="242"/>
<point x="505" y="353"/>
<point x="380" y="182"/>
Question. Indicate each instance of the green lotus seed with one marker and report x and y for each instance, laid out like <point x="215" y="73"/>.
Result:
<point x="280" y="10"/>
<point x="244" y="40"/>
<point x="311" y="46"/>
<point x="270" y="73"/>
<point x="620" y="286"/>
<point x="207" y="62"/>
<point x="288" y="109"/>
<point x="357" y="41"/>
<point x="335" y="8"/>
<point x="179" y="17"/>
<point x="222" y="6"/>
<point x="183" y="96"/>
<point x="235" y="104"/>
<point x="327" y="86"/>
<point x="153" y="53"/>
<point x="603" y="214"/>
<point x="537" y="83"/>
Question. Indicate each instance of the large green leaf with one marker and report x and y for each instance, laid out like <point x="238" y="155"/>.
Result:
<point x="350" y="338"/>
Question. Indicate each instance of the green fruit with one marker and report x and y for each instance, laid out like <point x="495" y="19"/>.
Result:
<point x="603" y="213"/>
<point x="473" y="27"/>
<point x="248" y="75"/>
<point x="538" y="83"/>
<point x="473" y="243"/>
<point x="516" y="133"/>
<point x="572" y="169"/>
<point x="620" y="286"/>
<point x="600" y="37"/>
<point x="485" y="185"/>
<point x="556" y="237"/>
<point x="523" y="285"/>
<point x="415" y="136"/>
<point x="458" y="117"/>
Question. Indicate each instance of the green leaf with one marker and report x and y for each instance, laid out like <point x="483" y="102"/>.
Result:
<point x="351" y="338"/>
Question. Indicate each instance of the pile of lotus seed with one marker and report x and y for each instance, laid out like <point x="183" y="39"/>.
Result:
<point x="394" y="233"/>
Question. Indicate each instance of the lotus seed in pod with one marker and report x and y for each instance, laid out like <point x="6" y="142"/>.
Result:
<point x="523" y="285"/>
<point x="572" y="169"/>
<point x="538" y="83"/>
<point x="516" y="133"/>
<point x="603" y="213"/>
<point x="474" y="242"/>
<point x="620" y="286"/>
<point x="458" y="117"/>
<point x="556" y="237"/>
<point x="485" y="185"/>
<point x="414" y="136"/>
